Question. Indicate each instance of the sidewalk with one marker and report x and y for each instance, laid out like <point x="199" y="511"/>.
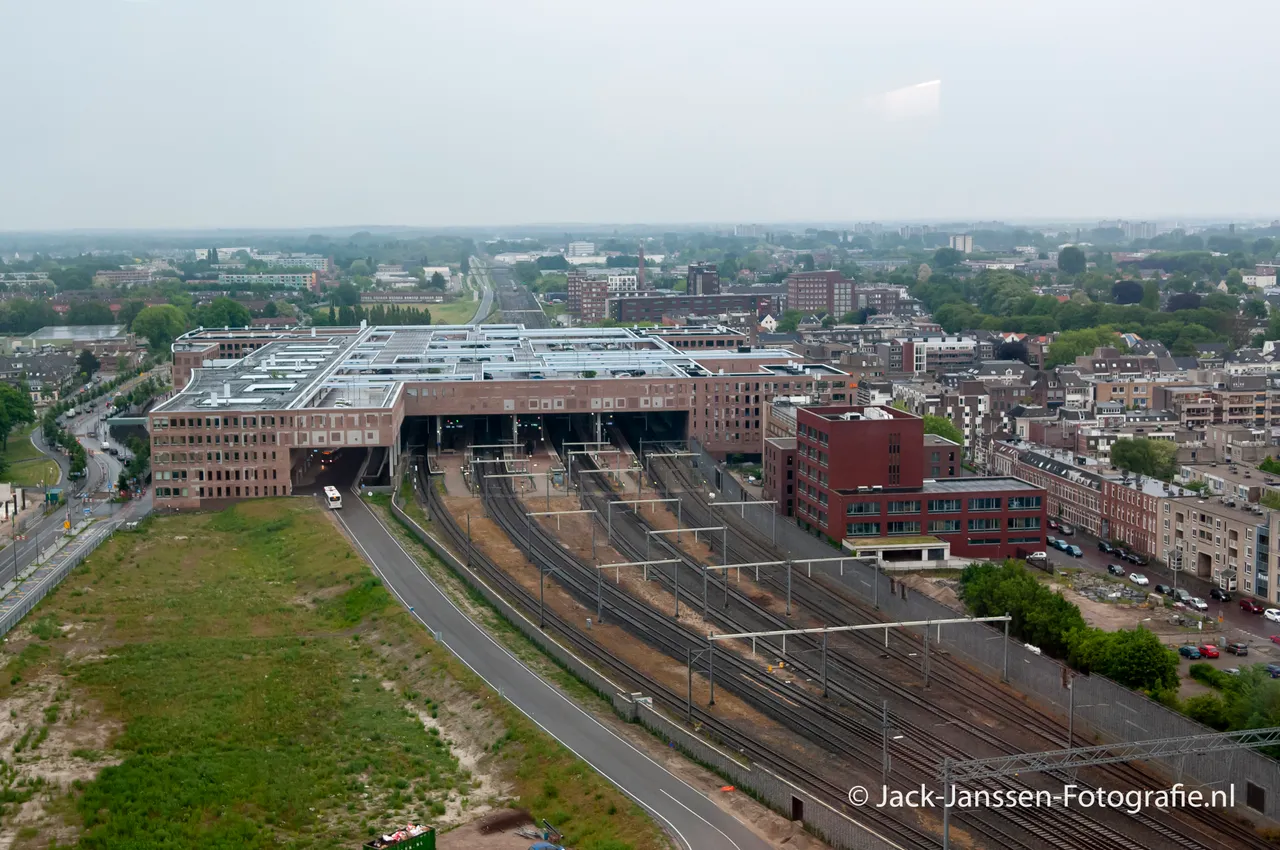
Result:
<point x="22" y="593"/>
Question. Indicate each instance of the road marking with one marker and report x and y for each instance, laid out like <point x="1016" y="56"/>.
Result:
<point x="535" y="676"/>
<point x="701" y="818"/>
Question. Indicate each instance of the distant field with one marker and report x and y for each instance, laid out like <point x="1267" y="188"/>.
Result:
<point x="454" y="313"/>
<point x="241" y="679"/>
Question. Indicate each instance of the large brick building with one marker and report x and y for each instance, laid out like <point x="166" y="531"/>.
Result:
<point x="654" y="308"/>
<point x="252" y="404"/>
<point x="820" y="292"/>
<point x="859" y="478"/>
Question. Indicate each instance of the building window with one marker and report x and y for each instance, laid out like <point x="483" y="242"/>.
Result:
<point x="986" y="504"/>
<point x="943" y="526"/>
<point x="911" y="507"/>
<point x="862" y="508"/>
<point x="984" y="541"/>
<point x="1023" y="503"/>
<point x="863" y="529"/>
<point x="904" y="528"/>
<point x="989" y="524"/>
<point x="1036" y="540"/>
<point x="1024" y="522"/>
<point x="944" y="506"/>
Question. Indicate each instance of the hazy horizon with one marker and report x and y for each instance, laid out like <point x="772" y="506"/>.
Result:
<point x="164" y="115"/>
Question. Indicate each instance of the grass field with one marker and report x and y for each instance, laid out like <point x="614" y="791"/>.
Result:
<point x="27" y="466"/>
<point x="240" y="679"/>
<point x="455" y="312"/>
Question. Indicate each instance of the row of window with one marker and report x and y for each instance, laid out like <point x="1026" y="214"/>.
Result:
<point x="939" y="526"/>
<point x="217" y="492"/>
<point x="945" y="506"/>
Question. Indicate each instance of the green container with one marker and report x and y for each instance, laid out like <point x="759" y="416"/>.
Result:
<point x="425" y="841"/>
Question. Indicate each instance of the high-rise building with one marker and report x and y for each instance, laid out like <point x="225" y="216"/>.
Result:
<point x="818" y="292"/>
<point x="962" y="242"/>
<point x="580" y="249"/>
<point x="703" y="279"/>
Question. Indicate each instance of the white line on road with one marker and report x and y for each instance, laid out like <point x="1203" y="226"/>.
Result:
<point x="701" y="818"/>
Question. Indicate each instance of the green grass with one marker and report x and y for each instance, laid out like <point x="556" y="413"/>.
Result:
<point x="248" y="655"/>
<point x="25" y="465"/>
<point x="454" y="312"/>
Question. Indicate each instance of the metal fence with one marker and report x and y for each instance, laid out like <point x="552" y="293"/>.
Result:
<point x="43" y="582"/>
<point x="1104" y="710"/>
<point x="838" y="829"/>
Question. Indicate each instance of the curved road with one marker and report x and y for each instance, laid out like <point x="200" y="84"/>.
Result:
<point x="692" y="819"/>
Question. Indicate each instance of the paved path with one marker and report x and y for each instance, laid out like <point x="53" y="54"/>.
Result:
<point x="695" y="821"/>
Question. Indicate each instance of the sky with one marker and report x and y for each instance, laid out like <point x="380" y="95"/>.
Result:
<point x="297" y="113"/>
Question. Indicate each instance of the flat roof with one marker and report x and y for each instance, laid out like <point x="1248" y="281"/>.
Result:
<point x="971" y="485"/>
<point x="368" y="367"/>
<point x="77" y="333"/>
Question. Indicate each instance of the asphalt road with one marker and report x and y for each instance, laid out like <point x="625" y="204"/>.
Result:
<point x="103" y="469"/>
<point x="694" y="821"/>
<point x="1237" y="625"/>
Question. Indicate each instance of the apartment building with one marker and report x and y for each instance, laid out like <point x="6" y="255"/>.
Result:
<point x="588" y="297"/>
<point x="820" y="292"/>
<point x="299" y="280"/>
<point x="1222" y="541"/>
<point x="702" y="279"/>
<point x="860" y="478"/>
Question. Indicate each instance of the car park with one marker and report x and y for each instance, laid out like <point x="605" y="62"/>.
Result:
<point x="1217" y="594"/>
<point x="1189" y="651"/>
<point x="1238" y="648"/>
<point x="1249" y="606"/>
<point x="1115" y="569"/>
<point x="1272" y="614"/>
<point x="1104" y="546"/>
<point x="1208" y="651"/>
<point x="1200" y="605"/>
<point x="1139" y="579"/>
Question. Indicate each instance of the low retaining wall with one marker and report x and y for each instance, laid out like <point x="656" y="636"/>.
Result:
<point x="833" y="826"/>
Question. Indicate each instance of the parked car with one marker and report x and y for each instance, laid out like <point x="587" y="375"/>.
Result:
<point x="1076" y="551"/>
<point x="1063" y="545"/>
<point x="1138" y="579"/>
<point x="1053" y="523"/>
<point x="1135" y="558"/>
<point x="1219" y="595"/>
<point x="1275" y="638"/>
<point x="1190" y="651"/>
<point x="1115" y="569"/>
<point x="1208" y="651"/>
<point x="1272" y="614"/>
<point x="1273" y="670"/>
<point x="1232" y="671"/>
<point x="1162" y="589"/>
<point x="1200" y="605"/>
<point x="1238" y="648"/>
<point x="1120" y="552"/>
<point x="1180" y="595"/>
<point x="1249" y="606"/>
<point x="1051" y="541"/>
<point x="1104" y="546"/>
<point x="1066" y="529"/>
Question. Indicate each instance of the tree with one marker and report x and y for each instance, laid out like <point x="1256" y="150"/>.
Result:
<point x="945" y="258"/>
<point x="359" y="267"/>
<point x="1071" y="260"/>
<point x="213" y="256"/>
<point x="943" y="427"/>
<point x="129" y="310"/>
<point x="348" y="295"/>
<point x="1071" y="344"/>
<point x="526" y="273"/>
<point x="437" y="281"/>
<point x="161" y="325"/>
<point x="223" y="313"/>
<point x="1183" y="301"/>
<point x="90" y="313"/>
<point x="806" y="262"/>
<point x="88" y="364"/>
<point x="790" y="321"/>
<point x="1154" y="458"/>
<point x="1041" y="617"/>
<point x="1151" y="295"/>
<point x="1255" y="309"/>
<point x="271" y="310"/>
<point x="1013" y="350"/>
<point x="1134" y="658"/>
<point x="15" y="409"/>
<point x="557" y="262"/>
<point x="72" y="279"/>
<point x="1126" y="292"/>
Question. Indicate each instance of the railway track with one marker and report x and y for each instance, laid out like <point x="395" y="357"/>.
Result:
<point x="832" y="603"/>
<point x="726" y="734"/>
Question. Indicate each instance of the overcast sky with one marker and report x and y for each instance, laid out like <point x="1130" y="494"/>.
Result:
<point x="264" y="113"/>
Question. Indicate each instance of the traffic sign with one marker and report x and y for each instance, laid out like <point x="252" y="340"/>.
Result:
<point x="66" y="523"/>
<point x="88" y="511"/>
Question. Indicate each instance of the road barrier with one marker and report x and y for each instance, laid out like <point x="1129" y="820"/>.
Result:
<point x="45" y="578"/>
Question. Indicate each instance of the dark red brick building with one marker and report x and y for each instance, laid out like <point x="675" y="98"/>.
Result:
<point x="859" y="477"/>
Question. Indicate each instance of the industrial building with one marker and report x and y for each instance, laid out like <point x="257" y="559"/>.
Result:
<point x="254" y="404"/>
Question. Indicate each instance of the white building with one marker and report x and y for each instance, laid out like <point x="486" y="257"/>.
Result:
<point x="962" y="242"/>
<point x="623" y="282"/>
<point x="302" y="280"/>
<point x="1259" y="281"/>
<point x="580" y="249"/>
